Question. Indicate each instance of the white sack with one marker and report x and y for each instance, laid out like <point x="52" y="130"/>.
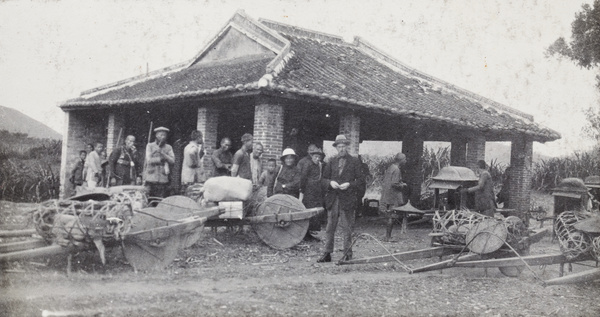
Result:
<point x="227" y="188"/>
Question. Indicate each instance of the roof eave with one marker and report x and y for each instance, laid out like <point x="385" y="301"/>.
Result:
<point x="550" y="135"/>
<point x="247" y="89"/>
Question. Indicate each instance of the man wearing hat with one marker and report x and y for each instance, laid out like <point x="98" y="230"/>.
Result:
<point x="241" y="159"/>
<point x="392" y="187"/>
<point x="158" y="157"/>
<point x="311" y="172"/>
<point x="287" y="178"/>
<point x="344" y="177"/>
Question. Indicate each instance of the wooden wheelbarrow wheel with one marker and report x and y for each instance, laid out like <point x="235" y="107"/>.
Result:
<point x="181" y="207"/>
<point x="486" y="236"/>
<point x="158" y="233"/>
<point x="515" y="271"/>
<point x="151" y="255"/>
<point x="283" y="234"/>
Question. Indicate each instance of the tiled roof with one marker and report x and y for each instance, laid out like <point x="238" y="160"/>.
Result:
<point x="343" y="72"/>
<point x="237" y="75"/>
<point x="324" y="66"/>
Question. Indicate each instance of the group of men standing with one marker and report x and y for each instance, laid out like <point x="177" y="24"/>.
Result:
<point x="94" y="169"/>
<point x="334" y="185"/>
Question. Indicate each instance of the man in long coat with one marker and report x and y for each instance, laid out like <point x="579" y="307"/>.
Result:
<point x="159" y="156"/>
<point x="344" y="176"/>
<point x="484" y="191"/>
<point x="311" y="187"/>
<point x="287" y="178"/>
<point x="391" y="190"/>
<point x="124" y="163"/>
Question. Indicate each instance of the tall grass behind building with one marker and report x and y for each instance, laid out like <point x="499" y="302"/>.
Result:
<point x="29" y="167"/>
<point x="546" y="173"/>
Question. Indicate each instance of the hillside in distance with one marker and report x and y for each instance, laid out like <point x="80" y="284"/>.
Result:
<point x="14" y="121"/>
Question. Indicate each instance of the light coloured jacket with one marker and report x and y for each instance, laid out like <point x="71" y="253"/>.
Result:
<point x="93" y="165"/>
<point x="191" y="171"/>
<point x="155" y="165"/>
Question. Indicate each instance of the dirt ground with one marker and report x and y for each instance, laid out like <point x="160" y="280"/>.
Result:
<point x="235" y="274"/>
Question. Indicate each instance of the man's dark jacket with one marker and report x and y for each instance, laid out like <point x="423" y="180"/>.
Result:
<point x="352" y="173"/>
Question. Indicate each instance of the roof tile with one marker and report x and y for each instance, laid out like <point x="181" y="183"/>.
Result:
<point x="334" y="71"/>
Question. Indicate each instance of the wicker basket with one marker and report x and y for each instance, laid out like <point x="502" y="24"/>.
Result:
<point x="574" y="244"/>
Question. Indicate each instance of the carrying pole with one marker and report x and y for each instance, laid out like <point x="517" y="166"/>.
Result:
<point x="145" y="158"/>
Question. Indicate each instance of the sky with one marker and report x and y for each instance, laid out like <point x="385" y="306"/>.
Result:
<point x="50" y="51"/>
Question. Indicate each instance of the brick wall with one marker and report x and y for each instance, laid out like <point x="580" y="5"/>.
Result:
<point x="458" y="153"/>
<point x="208" y="121"/>
<point x="114" y="130"/>
<point x="475" y="151"/>
<point x="412" y="147"/>
<point x="268" y="129"/>
<point x="521" y="153"/>
<point x="81" y="127"/>
<point x="350" y="127"/>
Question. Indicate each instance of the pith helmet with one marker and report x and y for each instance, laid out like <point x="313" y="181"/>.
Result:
<point x="287" y="152"/>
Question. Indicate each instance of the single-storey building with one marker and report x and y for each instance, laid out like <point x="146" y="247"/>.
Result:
<point x="269" y="79"/>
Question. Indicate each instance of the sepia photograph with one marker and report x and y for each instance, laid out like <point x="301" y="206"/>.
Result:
<point x="299" y="158"/>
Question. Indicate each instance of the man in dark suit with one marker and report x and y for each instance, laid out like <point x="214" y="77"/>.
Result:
<point x="343" y="176"/>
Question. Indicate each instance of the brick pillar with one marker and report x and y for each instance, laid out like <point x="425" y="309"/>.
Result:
<point x="208" y="120"/>
<point x="521" y="153"/>
<point x="115" y="126"/>
<point x="458" y="153"/>
<point x="412" y="147"/>
<point x="475" y="151"/>
<point x="80" y="128"/>
<point x="268" y="129"/>
<point x="350" y="127"/>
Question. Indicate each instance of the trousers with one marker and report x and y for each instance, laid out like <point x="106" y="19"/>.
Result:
<point x="337" y="217"/>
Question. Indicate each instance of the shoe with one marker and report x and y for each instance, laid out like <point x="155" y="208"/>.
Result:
<point x="346" y="257"/>
<point x="325" y="258"/>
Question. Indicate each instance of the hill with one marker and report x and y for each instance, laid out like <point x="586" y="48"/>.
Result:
<point x="14" y="121"/>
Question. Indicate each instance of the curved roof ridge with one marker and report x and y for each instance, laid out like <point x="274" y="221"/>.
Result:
<point x="133" y="80"/>
<point x="302" y="32"/>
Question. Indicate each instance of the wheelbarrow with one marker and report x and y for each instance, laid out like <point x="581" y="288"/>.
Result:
<point x="150" y="237"/>
<point x="280" y="221"/>
<point x="468" y="236"/>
